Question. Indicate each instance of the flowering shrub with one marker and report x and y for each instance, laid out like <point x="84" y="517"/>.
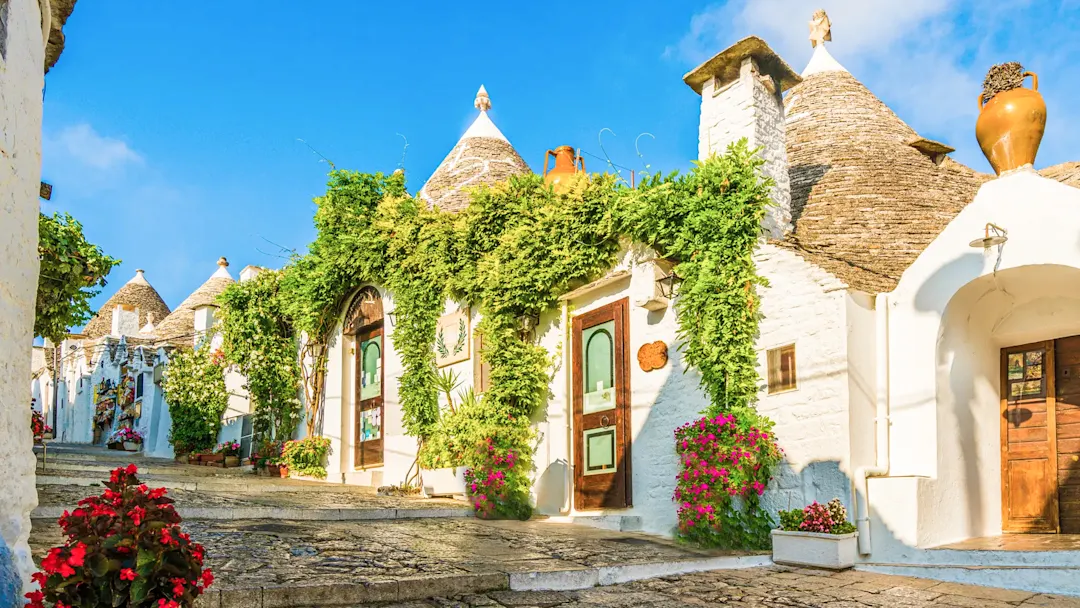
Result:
<point x="269" y="452"/>
<point x="37" y="424"/>
<point x="830" y="518"/>
<point x="307" y="456"/>
<point x="727" y="460"/>
<point x="228" y="448"/>
<point x="123" y="548"/>
<point x="126" y="434"/>
<point x="498" y="482"/>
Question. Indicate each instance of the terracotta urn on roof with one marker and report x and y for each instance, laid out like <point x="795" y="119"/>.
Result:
<point x="567" y="164"/>
<point x="1012" y="118"/>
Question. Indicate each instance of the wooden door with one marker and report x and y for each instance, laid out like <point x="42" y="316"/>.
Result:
<point x="1067" y="420"/>
<point x="369" y="397"/>
<point x="1028" y="439"/>
<point x="601" y="394"/>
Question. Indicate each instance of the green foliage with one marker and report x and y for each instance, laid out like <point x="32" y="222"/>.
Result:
<point x="194" y="387"/>
<point x="512" y="253"/>
<point x="307" y="456"/>
<point x="71" y="269"/>
<point x="709" y="222"/>
<point x="258" y="339"/>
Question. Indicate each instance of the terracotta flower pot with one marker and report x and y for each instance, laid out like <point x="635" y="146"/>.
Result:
<point x="274" y="470"/>
<point x="232" y="461"/>
<point x="1011" y="125"/>
<point x="284" y="470"/>
<point x="213" y="458"/>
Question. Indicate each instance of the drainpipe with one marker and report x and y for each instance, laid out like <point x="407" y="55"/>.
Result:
<point x="881" y="426"/>
<point x="569" y="383"/>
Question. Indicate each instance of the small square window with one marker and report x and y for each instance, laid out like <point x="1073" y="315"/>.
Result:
<point x="781" y="362"/>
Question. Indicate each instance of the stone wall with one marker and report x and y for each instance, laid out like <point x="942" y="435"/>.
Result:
<point x="21" y="84"/>
<point x="806" y="306"/>
<point x="750" y="107"/>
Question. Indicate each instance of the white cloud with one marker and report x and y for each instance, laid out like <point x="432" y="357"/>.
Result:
<point x="83" y="144"/>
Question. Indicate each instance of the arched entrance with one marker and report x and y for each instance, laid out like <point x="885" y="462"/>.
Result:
<point x="1009" y="400"/>
<point x="364" y="321"/>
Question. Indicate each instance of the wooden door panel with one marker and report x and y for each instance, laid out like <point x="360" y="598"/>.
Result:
<point x="368" y="412"/>
<point x="1029" y="480"/>
<point x="1067" y="416"/>
<point x="602" y="462"/>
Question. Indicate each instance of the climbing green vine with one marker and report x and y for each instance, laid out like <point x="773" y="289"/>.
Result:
<point x="258" y="338"/>
<point x="511" y="254"/>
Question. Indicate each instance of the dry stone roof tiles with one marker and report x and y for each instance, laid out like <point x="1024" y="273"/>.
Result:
<point x="137" y="293"/>
<point x="473" y="162"/>
<point x="1066" y="173"/>
<point x="865" y="203"/>
<point x="179" y="327"/>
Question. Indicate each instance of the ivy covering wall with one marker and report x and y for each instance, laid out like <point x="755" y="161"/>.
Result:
<point x="511" y="254"/>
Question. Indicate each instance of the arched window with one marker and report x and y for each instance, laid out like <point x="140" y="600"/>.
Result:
<point x="364" y="311"/>
<point x="599" y="367"/>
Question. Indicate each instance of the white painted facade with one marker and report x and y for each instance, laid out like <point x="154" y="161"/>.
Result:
<point x="21" y="81"/>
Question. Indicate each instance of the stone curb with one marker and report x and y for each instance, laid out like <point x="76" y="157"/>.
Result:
<point x="585" y="578"/>
<point x="406" y="589"/>
<point x="286" y="513"/>
<point x="213" y="485"/>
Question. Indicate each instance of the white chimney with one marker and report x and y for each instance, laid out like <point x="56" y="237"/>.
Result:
<point x="125" y="320"/>
<point x="741" y="92"/>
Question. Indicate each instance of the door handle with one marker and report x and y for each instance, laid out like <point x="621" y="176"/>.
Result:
<point x="604" y="421"/>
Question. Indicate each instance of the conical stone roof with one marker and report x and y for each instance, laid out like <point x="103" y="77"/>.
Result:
<point x="1066" y="173"/>
<point x="482" y="156"/>
<point x="179" y="327"/>
<point x="137" y="293"/>
<point x="865" y="203"/>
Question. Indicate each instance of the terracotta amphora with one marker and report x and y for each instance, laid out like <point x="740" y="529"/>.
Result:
<point x="1011" y="125"/>
<point x="567" y="164"/>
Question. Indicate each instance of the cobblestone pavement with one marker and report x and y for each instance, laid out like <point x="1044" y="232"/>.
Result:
<point x="250" y="495"/>
<point x="760" y="587"/>
<point x="247" y="553"/>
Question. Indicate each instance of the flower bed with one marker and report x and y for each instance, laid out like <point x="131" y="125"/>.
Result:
<point x="127" y="439"/>
<point x="817" y="535"/>
<point x="123" y="548"/>
<point x="727" y="460"/>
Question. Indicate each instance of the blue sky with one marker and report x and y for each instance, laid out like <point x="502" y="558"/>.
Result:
<point x="171" y="127"/>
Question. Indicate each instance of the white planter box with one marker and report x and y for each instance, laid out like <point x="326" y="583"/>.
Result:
<point x="132" y="446"/>
<point x="444" y="482"/>
<point x="831" y="551"/>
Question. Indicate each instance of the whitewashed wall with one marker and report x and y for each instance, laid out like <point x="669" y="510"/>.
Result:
<point x="806" y="306"/>
<point x="21" y="82"/>
<point x="948" y="317"/>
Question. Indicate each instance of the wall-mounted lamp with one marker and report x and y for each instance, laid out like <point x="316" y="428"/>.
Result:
<point x="528" y="323"/>
<point x="392" y="315"/>
<point x="669" y="284"/>
<point x="999" y="236"/>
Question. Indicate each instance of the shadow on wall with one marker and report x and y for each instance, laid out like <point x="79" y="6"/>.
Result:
<point x="934" y="294"/>
<point x="803" y="179"/>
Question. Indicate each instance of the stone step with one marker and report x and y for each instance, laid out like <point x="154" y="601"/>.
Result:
<point x="286" y="513"/>
<point x="212" y="484"/>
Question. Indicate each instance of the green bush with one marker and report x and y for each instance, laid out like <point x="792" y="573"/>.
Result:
<point x="194" y="387"/>
<point x="307" y="456"/>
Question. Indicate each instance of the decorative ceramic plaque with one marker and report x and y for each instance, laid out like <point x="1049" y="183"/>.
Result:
<point x="452" y="338"/>
<point x="652" y="356"/>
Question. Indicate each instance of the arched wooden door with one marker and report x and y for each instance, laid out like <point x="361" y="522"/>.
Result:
<point x="364" y="320"/>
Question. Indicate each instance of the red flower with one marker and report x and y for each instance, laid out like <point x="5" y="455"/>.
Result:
<point x="78" y="555"/>
<point x="36" y="598"/>
<point x="127" y="574"/>
<point x="166" y="537"/>
<point x="157" y="493"/>
<point x="178" y="586"/>
<point x="137" y="514"/>
<point x="207" y="578"/>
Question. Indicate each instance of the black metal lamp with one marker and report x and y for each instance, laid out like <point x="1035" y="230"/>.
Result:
<point x="392" y="315"/>
<point x="528" y="323"/>
<point x="669" y="284"/>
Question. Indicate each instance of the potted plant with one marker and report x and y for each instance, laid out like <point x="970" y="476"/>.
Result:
<point x="306" y="457"/>
<point x="817" y="535"/>
<point x="129" y="439"/>
<point x="268" y="458"/>
<point x="124" y="548"/>
<point x="231" y="451"/>
<point x="38" y="426"/>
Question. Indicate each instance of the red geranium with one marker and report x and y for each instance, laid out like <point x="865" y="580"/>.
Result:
<point x="123" y="548"/>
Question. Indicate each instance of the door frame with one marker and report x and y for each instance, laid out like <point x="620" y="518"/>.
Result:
<point x="619" y="312"/>
<point x="366" y="333"/>
<point x="1049" y="375"/>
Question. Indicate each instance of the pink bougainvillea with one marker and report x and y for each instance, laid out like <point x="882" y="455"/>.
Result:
<point x="727" y="461"/>
<point x="498" y="484"/>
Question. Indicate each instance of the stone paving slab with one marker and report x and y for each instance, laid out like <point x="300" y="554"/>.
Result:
<point x="409" y="558"/>
<point x="759" y="587"/>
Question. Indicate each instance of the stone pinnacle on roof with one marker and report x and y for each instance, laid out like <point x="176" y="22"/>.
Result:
<point x="138" y="294"/>
<point x="483" y="156"/>
<point x="179" y="327"/>
<point x="820" y="33"/>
